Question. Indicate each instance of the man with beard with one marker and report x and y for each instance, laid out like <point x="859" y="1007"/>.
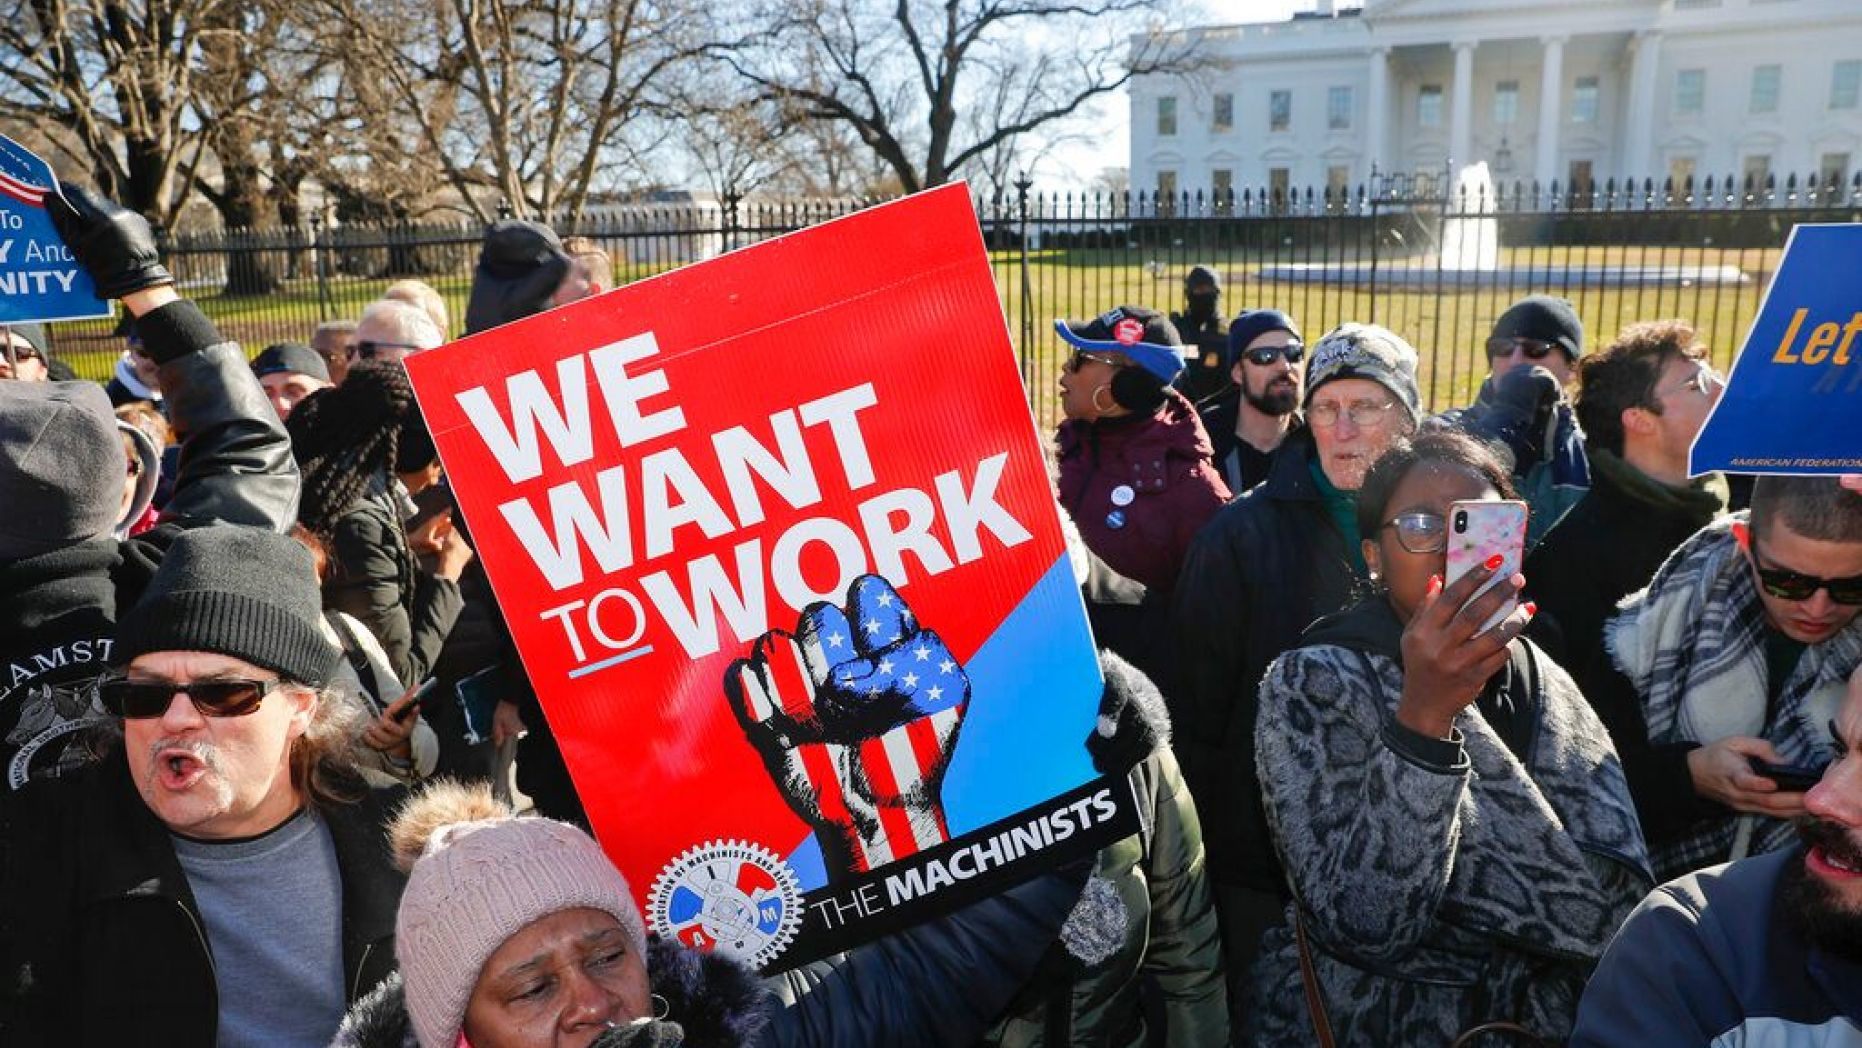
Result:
<point x="1200" y="326"/>
<point x="1766" y="950"/>
<point x="1247" y="425"/>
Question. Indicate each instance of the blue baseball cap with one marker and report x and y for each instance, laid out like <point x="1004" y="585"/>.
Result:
<point x="1145" y="336"/>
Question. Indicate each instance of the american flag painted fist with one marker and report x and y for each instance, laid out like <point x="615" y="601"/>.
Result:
<point x="856" y="715"/>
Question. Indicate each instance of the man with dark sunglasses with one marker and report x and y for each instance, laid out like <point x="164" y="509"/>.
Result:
<point x="222" y="877"/>
<point x="1532" y="354"/>
<point x="1203" y="329"/>
<point x="1734" y="657"/>
<point x="1248" y="421"/>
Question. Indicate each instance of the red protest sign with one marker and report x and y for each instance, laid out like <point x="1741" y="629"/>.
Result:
<point x="775" y="539"/>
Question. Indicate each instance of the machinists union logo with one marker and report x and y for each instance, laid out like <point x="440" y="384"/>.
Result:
<point x="730" y="896"/>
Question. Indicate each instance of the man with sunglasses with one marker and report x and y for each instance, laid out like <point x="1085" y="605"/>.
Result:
<point x="22" y="353"/>
<point x="222" y="877"/>
<point x="1248" y="421"/>
<point x="1532" y="354"/>
<point x="1735" y="656"/>
<point x="392" y="330"/>
<point x="1201" y="326"/>
<point x="66" y="567"/>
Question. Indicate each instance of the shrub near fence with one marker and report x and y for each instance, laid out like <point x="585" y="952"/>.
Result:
<point x="1389" y="254"/>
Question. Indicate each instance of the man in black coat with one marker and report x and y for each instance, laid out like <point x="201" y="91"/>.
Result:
<point x="223" y="876"/>
<point x="1205" y="335"/>
<point x="1640" y="403"/>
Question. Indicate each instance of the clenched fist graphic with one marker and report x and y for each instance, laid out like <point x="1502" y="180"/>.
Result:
<point x="856" y="714"/>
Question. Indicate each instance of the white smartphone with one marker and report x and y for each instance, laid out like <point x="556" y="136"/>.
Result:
<point x="1477" y="530"/>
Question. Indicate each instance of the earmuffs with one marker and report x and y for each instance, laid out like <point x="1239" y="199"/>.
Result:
<point x="1137" y="390"/>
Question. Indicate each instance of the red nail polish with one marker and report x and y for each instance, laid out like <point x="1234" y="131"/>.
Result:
<point x="1435" y="584"/>
<point x="1495" y="561"/>
<point x="1531" y="609"/>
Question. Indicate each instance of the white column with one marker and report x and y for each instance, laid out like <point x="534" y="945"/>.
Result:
<point x="1377" y="110"/>
<point x="1461" y="117"/>
<point x="1639" y="134"/>
<point x="1551" y="112"/>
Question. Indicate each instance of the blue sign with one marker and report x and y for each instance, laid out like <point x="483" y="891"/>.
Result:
<point x="39" y="280"/>
<point x="1793" y="403"/>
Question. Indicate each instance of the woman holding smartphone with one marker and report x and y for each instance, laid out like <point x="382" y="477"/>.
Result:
<point x="1454" y="822"/>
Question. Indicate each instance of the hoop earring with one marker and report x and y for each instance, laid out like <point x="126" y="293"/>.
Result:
<point x="661" y="1009"/>
<point x="1103" y="388"/>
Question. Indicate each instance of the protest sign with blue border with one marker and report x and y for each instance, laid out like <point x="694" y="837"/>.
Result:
<point x="1790" y="405"/>
<point x="39" y="280"/>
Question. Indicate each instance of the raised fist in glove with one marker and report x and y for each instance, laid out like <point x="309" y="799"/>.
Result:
<point x="113" y="244"/>
<point x="856" y="716"/>
<point x="1520" y="411"/>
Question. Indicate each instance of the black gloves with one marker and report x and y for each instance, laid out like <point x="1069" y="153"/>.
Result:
<point x="114" y="245"/>
<point x="1519" y="412"/>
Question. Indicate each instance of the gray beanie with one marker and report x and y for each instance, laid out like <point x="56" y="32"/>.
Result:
<point x="1367" y="351"/>
<point x="62" y="466"/>
<point x="239" y="591"/>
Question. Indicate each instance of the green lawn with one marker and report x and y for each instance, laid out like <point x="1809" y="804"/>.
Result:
<point x="1447" y="326"/>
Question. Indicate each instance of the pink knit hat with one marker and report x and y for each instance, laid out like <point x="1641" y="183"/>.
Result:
<point x="477" y="875"/>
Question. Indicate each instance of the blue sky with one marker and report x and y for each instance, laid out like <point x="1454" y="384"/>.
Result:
<point x="1073" y="166"/>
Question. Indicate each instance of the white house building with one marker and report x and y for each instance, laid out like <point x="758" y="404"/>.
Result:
<point x="1565" y="90"/>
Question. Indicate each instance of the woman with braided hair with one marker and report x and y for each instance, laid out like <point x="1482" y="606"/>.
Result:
<point x="363" y="450"/>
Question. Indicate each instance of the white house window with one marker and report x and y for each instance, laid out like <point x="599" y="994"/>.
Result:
<point x="1756" y="169"/>
<point x="1338" y="179"/>
<point x="1765" y="81"/>
<point x="1506" y="102"/>
<point x="1224" y="113"/>
<point x="1833" y="170"/>
<point x="1690" y="92"/>
<point x="1429" y="105"/>
<point x="1166" y="184"/>
<point x="1338" y="109"/>
<point x="1279" y="110"/>
<point x="1680" y="170"/>
<point x="1845" y="84"/>
<point x="1584" y="100"/>
<point x="1222" y="181"/>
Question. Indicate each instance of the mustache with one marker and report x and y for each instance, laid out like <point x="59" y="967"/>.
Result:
<point x="1832" y="837"/>
<point x="199" y="749"/>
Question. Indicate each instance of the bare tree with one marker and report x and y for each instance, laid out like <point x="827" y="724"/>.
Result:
<point x="900" y="74"/>
<point x="112" y="84"/>
<point x="520" y="100"/>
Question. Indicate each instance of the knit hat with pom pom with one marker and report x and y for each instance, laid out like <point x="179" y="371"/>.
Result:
<point x="478" y="875"/>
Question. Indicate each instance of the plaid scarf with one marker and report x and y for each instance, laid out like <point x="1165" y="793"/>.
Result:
<point x="1693" y="644"/>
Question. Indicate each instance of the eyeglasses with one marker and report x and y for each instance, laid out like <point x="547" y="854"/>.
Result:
<point x="1361" y="413"/>
<point x="368" y="350"/>
<point x="1704" y="381"/>
<point x="1265" y="355"/>
<point x="1420" y="532"/>
<point x="143" y="699"/>
<point x="1534" y="349"/>
<point x="1081" y="358"/>
<point x="1793" y="585"/>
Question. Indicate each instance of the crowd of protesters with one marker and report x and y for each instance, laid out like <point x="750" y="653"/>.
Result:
<point x="1612" y="798"/>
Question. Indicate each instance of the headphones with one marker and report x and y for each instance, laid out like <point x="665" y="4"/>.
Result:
<point x="1137" y="390"/>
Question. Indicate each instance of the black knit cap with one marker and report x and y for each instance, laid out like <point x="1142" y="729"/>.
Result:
<point x="239" y="591"/>
<point x="1546" y="318"/>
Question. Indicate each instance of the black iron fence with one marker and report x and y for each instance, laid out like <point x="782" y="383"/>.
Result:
<point x="1435" y="265"/>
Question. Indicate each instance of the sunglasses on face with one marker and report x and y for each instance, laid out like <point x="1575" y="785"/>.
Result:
<point x="1081" y="358"/>
<point x="1794" y="585"/>
<point x="368" y="350"/>
<point x="1420" y="532"/>
<point x="1534" y="349"/>
<point x="1265" y="355"/>
<point x="143" y="699"/>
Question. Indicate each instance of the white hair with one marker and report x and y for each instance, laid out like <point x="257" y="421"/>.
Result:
<point x="392" y="320"/>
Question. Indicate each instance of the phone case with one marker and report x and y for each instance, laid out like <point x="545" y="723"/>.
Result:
<point x="1486" y="529"/>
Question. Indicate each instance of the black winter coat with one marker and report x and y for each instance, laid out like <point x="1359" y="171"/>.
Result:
<point x="932" y="986"/>
<point x="58" y="610"/>
<point x="100" y="935"/>
<point x="1260" y="572"/>
<point x="377" y="581"/>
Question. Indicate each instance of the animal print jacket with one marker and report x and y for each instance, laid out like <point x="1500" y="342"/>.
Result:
<point x="1444" y="883"/>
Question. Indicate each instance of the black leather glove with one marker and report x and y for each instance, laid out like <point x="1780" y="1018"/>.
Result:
<point x="1521" y="408"/>
<point x="113" y="244"/>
